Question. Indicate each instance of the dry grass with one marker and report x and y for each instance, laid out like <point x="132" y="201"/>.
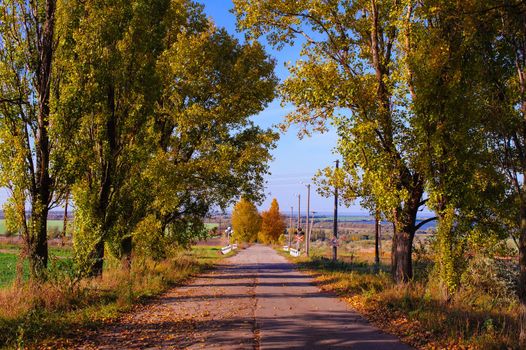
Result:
<point x="417" y="312"/>
<point x="32" y="312"/>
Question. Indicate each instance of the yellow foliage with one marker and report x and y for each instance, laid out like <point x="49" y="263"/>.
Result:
<point x="246" y="221"/>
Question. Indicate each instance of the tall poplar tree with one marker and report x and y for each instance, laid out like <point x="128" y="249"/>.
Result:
<point x="246" y="221"/>
<point x="272" y="224"/>
<point x="505" y="67"/>
<point x="27" y="142"/>
<point x="442" y="48"/>
<point x="116" y="45"/>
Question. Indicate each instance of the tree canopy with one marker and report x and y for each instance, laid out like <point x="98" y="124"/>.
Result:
<point x="272" y="224"/>
<point x="246" y="221"/>
<point x="141" y="110"/>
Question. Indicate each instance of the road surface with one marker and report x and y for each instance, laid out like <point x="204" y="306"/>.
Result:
<point x="255" y="300"/>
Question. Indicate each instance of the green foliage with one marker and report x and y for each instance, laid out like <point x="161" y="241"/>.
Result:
<point x="163" y="101"/>
<point x="424" y="98"/>
<point x="246" y="221"/>
<point x="210" y="152"/>
<point x="350" y="76"/>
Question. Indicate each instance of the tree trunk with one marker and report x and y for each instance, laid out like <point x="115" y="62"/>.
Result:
<point x="401" y="258"/>
<point x="38" y="248"/>
<point x="376" y="241"/>
<point x="41" y="190"/>
<point x="106" y="184"/>
<point x="404" y="233"/>
<point x="98" y="259"/>
<point x="522" y="272"/>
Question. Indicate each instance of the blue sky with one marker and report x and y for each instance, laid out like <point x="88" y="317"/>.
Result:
<point x="295" y="160"/>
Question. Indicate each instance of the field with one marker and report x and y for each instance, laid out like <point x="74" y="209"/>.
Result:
<point x="9" y="258"/>
<point x="54" y="227"/>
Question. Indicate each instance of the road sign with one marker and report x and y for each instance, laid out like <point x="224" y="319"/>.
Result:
<point x="299" y="238"/>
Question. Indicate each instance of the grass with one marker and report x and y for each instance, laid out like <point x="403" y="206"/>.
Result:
<point x="8" y="264"/>
<point x="417" y="312"/>
<point x="41" y="313"/>
<point x="9" y="258"/>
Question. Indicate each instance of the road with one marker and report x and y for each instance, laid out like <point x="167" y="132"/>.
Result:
<point x="256" y="300"/>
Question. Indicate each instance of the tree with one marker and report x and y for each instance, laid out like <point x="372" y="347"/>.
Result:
<point x="349" y="75"/>
<point x="28" y="167"/>
<point x="272" y="224"/>
<point x="114" y="86"/>
<point x="505" y="63"/>
<point x="246" y="221"/>
<point x="209" y="151"/>
<point x="442" y="47"/>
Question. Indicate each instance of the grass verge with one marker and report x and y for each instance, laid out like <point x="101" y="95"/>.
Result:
<point x="33" y="315"/>
<point x="416" y="312"/>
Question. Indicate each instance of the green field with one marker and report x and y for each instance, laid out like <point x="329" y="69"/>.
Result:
<point x="8" y="268"/>
<point x="52" y="226"/>
<point x="56" y="226"/>
<point x="9" y="255"/>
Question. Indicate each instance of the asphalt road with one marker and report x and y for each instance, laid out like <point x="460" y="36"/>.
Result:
<point x="256" y="300"/>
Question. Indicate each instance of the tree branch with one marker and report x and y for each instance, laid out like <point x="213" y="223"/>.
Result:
<point x="422" y="223"/>
<point x="423" y="202"/>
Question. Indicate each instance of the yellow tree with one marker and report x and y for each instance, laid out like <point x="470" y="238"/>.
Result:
<point x="272" y="224"/>
<point x="246" y="221"/>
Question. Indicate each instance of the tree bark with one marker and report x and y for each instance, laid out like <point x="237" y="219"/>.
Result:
<point x="522" y="268"/>
<point x="38" y="248"/>
<point x="404" y="233"/>
<point x="41" y="192"/>
<point x="98" y="259"/>
<point x="377" y="241"/>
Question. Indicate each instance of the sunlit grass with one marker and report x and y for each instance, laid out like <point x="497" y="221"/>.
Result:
<point x="417" y="312"/>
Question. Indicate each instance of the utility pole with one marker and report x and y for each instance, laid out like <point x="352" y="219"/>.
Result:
<point x="290" y="225"/>
<point x="299" y="212"/>
<point x="335" y="223"/>
<point x="312" y="222"/>
<point x="307" y="236"/>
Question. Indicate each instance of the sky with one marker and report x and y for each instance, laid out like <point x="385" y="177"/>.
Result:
<point x="295" y="161"/>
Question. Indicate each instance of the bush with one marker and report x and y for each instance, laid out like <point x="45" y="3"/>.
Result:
<point x="493" y="277"/>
